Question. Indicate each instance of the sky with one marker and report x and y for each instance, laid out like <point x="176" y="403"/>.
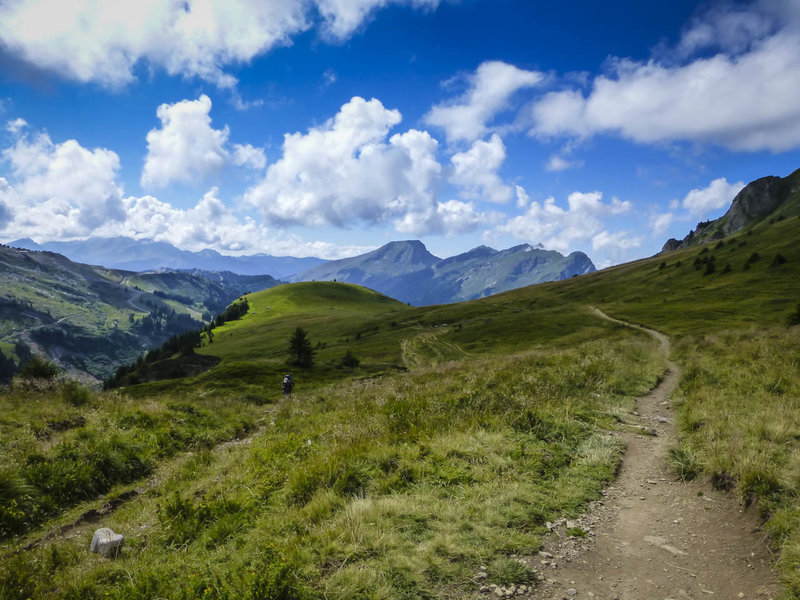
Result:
<point x="331" y="127"/>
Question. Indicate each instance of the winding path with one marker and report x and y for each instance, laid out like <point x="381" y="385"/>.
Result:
<point x="654" y="537"/>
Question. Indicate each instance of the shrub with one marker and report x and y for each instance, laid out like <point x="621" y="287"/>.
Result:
<point x="39" y="368"/>
<point x="753" y="258"/>
<point x="794" y="318"/>
<point x="75" y="394"/>
<point x="349" y="361"/>
<point x="778" y="260"/>
<point x="710" y="268"/>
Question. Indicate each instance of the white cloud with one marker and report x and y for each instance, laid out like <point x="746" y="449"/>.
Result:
<point x="615" y="243"/>
<point x="475" y="171"/>
<point x="7" y="198"/>
<point x="211" y="224"/>
<point x="522" y="197"/>
<point x="558" y="163"/>
<point x="66" y="188"/>
<point x="718" y="194"/>
<point x="103" y="42"/>
<point x="186" y="147"/>
<point x="742" y="98"/>
<point x="490" y="88"/>
<point x="660" y="223"/>
<point x="343" y="17"/>
<point x="15" y="126"/>
<point x="245" y="155"/>
<point x="563" y="229"/>
<point x="345" y="172"/>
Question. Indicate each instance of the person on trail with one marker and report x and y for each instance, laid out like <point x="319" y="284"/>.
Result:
<point x="287" y="386"/>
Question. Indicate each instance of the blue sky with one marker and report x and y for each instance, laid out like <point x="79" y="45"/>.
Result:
<point x="330" y="127"/>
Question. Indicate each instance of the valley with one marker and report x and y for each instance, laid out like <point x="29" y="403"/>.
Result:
<point x="464" y="430"/>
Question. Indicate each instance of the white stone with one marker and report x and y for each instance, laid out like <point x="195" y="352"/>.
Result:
<point x="107" y="543"/>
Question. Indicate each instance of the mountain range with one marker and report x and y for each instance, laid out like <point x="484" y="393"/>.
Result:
<point x="146" y="255"/>
<point x="404" y="270"/>
<point x="408" y="272"/>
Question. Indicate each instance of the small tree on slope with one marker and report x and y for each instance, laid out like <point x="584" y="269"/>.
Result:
<point x="300" y="350"/>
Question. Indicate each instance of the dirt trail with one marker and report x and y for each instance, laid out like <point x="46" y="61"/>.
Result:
<point x="654" y="537"/>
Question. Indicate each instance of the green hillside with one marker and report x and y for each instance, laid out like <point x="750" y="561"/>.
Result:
<point x="465" y="428"/>
<point x="89" y="319"/>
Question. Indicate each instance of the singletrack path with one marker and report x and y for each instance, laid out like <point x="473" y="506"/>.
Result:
<point x="654" y="537"/>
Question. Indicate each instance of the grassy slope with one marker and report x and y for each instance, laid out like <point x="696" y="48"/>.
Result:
<point x="454" y="464"/>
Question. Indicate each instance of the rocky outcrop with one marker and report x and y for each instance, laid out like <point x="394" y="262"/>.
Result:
<point x="757" y="201"/>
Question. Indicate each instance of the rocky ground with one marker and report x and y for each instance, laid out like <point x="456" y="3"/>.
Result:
<point x="653" y="536"/>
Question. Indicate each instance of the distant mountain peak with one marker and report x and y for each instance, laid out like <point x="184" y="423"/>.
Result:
<point x="407" y="271"/>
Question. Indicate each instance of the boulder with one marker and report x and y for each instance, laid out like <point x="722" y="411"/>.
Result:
<point x="107" y="543"/>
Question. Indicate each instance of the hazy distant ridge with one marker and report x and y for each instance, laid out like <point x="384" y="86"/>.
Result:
<point x="146" y="255"/>
<point x="407" y="271"/>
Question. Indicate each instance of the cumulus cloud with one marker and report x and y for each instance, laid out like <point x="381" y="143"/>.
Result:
<point x="245" y="155"/>
<point x="103" y="42"/>
<point x="741" y="98"/>
<point x="475" y="171"/>
<point x="563" y="229"/>
<point x="65" y="187"/>
<point x="490" y="88"/>
<point x="718" y="194"/>
<point x="346" y="172"/>
<point x="212" y="224"/>
<point x="661" y="222"/>
<point x="186" y="148"/>
<point x="6" y="200"/>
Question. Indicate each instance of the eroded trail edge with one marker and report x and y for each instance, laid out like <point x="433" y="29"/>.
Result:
<point x="653" y="536"/>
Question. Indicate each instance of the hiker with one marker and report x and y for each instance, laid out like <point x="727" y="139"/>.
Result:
<point x="287" y="386"/>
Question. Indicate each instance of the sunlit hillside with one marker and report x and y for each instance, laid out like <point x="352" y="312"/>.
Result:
<point x="461" y="432"/>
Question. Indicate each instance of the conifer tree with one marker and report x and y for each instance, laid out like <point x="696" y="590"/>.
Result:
<point x="300" y="349"/>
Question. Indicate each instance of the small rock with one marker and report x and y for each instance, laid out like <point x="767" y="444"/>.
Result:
<point x="544" y="554"/>
<point x="107" y="543"/>
<point x="571" y="592"/>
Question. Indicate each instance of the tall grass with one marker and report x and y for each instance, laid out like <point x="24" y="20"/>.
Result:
<point x="740" y="426"/>
<point x="398" y="487"/>
<point x="64" y="445"/>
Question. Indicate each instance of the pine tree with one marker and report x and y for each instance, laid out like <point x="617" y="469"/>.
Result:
<point x="300" y="349"/>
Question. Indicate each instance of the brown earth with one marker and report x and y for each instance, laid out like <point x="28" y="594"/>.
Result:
<point x="653" y="536"/>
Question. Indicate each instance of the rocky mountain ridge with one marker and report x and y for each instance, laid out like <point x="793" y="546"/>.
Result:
<point x="405" y="270"/>
<point x="765" y="198"/>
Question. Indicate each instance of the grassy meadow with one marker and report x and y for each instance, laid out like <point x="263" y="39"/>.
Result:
<point x="464" y="429"/>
